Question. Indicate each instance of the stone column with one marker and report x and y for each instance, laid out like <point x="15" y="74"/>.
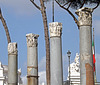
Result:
<point x="86" y="58"/>
<point x="56" y="69"/>
<point x="12" y="64"/>
<point x="32" y="59"/>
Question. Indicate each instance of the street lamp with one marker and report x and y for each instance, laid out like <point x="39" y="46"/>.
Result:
<point x="69" y="54"/>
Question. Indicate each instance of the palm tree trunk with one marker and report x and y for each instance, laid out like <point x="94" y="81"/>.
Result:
<point x="47" y="43"/>
<point x="5" y="27"/>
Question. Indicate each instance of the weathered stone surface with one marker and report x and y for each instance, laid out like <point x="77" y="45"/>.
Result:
<point x="85" y="16"/>
<point x="74" y="71"/>
<point x="12" y="49"/>
<point x="55" y="29"/>
<point x="75" y="67"/>
<point x="31" y="39"/>
<point x="89" y="74"/>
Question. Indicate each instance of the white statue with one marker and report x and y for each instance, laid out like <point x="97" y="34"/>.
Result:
<point x="74" y="71"/>
<point x="74" y="67"/>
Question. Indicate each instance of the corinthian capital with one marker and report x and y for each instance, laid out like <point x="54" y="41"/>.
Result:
<point x="55" y="29"/>
<point x="85" y="16"/>
<point x="12" y="49"/>
<point x="31" y="39"/>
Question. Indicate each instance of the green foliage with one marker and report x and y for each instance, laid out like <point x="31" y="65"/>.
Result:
<point x="75" y="4"/>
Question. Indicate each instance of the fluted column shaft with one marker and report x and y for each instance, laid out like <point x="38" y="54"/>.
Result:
<point x="32" y="59"/>
<point x="56" y="70"/>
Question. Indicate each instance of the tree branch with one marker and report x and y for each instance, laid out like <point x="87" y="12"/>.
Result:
<point x="65" y="3"/>
<point x="69" y="5"/>
<point x="5" y="27"/>
<point x="82" y="3"/>
<point x="0" y="13"/>
<point x="76" y="21"/>
<point x="96" y="6"/>
<point x="35" y="4"/>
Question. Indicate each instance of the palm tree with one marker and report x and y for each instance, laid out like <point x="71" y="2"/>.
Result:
<point x="47" y="43"/>
<point x="5" y="27"/>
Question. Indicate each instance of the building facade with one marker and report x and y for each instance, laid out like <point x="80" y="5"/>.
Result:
<point x="4" y="75"/>
<point x="74" y="71"/>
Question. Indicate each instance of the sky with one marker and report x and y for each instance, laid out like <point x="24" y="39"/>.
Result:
<point x="22" y="18"/>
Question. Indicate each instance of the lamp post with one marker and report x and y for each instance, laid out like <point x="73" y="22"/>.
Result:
<point x="69" y="54"/>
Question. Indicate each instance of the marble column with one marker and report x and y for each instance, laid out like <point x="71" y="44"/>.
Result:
<point x="12" y="64"/>
<point x="32" y="59"/>
<point x="56" y="68"/>
<point x="86" y="58"/>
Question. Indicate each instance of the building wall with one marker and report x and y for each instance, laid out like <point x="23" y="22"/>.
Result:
<point x="4" y="75"/>
<point x="74" y="72"/>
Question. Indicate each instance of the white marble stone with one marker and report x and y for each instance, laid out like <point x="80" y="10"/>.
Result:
<point x="55" y="29"/>
<point x="1" y="74"/>
<point x="12" y="49"/>
<point x="74" y="71"/>
<point x="1" y="69"/>
<point x="31" y="39"/>
<point x="4" y="75"/>
<point x="43" y="83"/>
<point x="85" y="16"/>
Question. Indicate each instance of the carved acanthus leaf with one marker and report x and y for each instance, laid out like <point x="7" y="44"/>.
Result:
<point x="85" y="16"/>
<point x="12" y="48"/>
<point x="55" y="29"/>
<point x="32" y="39"/>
